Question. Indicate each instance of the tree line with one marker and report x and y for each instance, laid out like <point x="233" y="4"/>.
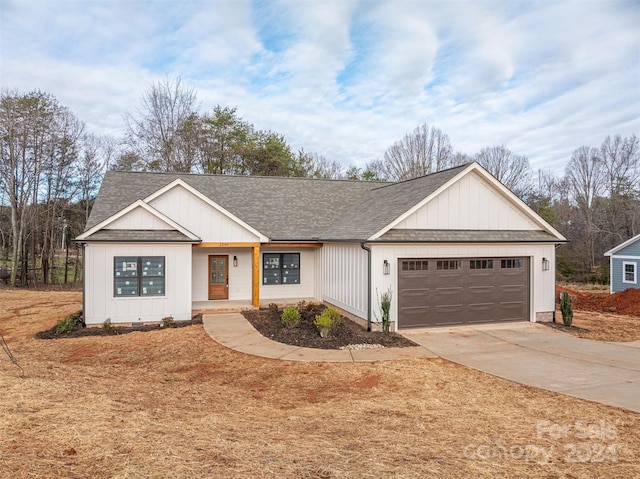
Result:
<point x="51" y="167"/>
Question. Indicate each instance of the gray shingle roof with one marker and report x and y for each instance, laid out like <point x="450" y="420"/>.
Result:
<point x="280" y="208"/>
<point x="382" y="205"/>
<point x="297" y="209"/>
<point x="466" y="236"/>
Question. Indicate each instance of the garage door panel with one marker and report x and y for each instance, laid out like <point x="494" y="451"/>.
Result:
<point x="481" y="290"/>
<point x="468" y="291"/>
<point x="455" y="290"/>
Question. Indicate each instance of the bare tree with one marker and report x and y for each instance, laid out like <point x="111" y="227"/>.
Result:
<point x="512" y="170"/>
<point x="158" y="132"/>
<point x="423" y="151"/>
<point x="96" y="154"/>
<point x="621" y="164"/>
<point x="585" y="178"/>
<point x="316" y="166"/>
<point x="58" y="184"/>
<point x="621" y="170"/>
<point x="24" y="131"/>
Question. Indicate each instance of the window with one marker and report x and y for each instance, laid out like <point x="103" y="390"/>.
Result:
<point x="448" y="264"/>
<point x="281" y="268"/>
<point x="138" y="276"/>
<point x="481" y="264"/>
<point x="628" y="272"/>
<point x="415" y="265"/>
<point x="512" y="263"/>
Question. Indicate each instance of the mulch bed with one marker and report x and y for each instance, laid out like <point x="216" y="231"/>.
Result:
<point x="306" y="334"/>
<point x="80" y="332"/>
<point x="566" y="329"/>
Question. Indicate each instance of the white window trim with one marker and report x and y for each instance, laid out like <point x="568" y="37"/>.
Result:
<point x="635" y="272"/>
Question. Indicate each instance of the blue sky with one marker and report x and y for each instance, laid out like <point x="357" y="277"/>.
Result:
<point x="346" y="79"/>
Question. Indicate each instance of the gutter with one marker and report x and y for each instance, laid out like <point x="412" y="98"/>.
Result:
<point x="84" y="287"/>
<point x="368" y="250"/>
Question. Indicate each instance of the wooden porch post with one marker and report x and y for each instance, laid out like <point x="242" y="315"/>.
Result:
<point x="255" y="284"/>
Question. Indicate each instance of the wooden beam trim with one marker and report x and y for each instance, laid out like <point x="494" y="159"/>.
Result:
<point x="222" y="244"/>
<point x="255" y="277"/>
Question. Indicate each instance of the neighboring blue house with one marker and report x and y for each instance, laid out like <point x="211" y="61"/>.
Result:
<point x="624" y="261"/>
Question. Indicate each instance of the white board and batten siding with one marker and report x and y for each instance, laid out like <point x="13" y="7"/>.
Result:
<point x="200" y="218"/>
<point x="542" y="283"/>
<point x="99" y="276"/>
<point x="139" y="219"/>
<point x="344" y="277"/>
<point x="471" y="203"/>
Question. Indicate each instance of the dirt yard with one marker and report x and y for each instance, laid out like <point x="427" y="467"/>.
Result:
<point x="173" y="403"/>
<point x="602" y="316"/>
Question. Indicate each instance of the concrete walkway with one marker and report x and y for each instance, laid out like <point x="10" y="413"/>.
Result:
<point x="539" y="356"/>
<point x="234" y="331"/>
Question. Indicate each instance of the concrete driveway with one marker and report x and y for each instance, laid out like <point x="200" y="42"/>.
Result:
<point x="539" y="356"/>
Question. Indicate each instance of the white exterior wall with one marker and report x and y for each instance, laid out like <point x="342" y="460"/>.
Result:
<point x="344" y="277"/>
<point x="239" y="276"/>
<point x="469" y="204"/>
<point x="100" y="302"/>
<point x="307" y="286"/>
<point x="542" y="283"/>
<point x="202" y="219"/>
<point x="139" y="219"/>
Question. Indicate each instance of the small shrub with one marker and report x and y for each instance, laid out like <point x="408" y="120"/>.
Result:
<point x="69" y="323"/>
<point x="385" y="311"/>
<point x="566" y="309"/>
<point x="108" y="326"/>
<point x="307" y="310"/>
<point x="336" y="318"/>
<point x="290" y="317"/>
<point x="274" y="310"/>
<point x="168" y="322"/>
<point x="327" y="320"/>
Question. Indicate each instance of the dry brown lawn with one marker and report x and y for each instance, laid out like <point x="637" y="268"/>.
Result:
<point x="602" y="326"/>
<point x="173" y="403"/>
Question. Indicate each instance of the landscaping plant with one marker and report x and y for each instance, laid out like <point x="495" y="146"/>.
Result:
<point x="565" y="308"/>
<point x="274" y="310"/>
<point x="327" y="320"/>
<point x="385" y="311"/>
<point x="290" y="317"/>
<point x="168" y="322"/>
<point x="69" y="323"/>
<point x="108" y="326"/>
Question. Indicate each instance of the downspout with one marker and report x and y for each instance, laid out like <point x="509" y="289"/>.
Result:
<point x="84" y="287"/>
<point x="368" y="250"/>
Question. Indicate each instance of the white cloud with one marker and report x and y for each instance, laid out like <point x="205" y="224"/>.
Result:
<point x="347" y="79"/>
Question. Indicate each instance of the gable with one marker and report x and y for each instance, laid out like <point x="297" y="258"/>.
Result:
<point x="470" y="203"/>
<point x="139" y="219"/>
<point x="129" y="222"/>
<point x="631" y="247"/>
<point x="194" y="213"/>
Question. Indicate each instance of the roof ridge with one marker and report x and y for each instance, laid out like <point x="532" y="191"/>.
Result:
<point x="428" y="175"/>
<point x="216" y="175"/>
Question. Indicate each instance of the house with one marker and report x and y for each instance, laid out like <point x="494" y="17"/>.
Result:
<point x="624" y="261"/>
<point x="454" y="247"/>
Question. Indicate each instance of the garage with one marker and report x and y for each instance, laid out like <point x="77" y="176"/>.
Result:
<point x="449" y="292"/>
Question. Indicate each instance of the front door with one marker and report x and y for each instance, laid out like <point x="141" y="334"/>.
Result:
<point x="218" y="277"/>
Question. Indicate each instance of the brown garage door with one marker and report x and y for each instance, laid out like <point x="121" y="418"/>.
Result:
<point x="447" y="292"/>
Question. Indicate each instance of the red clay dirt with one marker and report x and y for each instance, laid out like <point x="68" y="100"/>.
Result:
<point x="624" y="302"/>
